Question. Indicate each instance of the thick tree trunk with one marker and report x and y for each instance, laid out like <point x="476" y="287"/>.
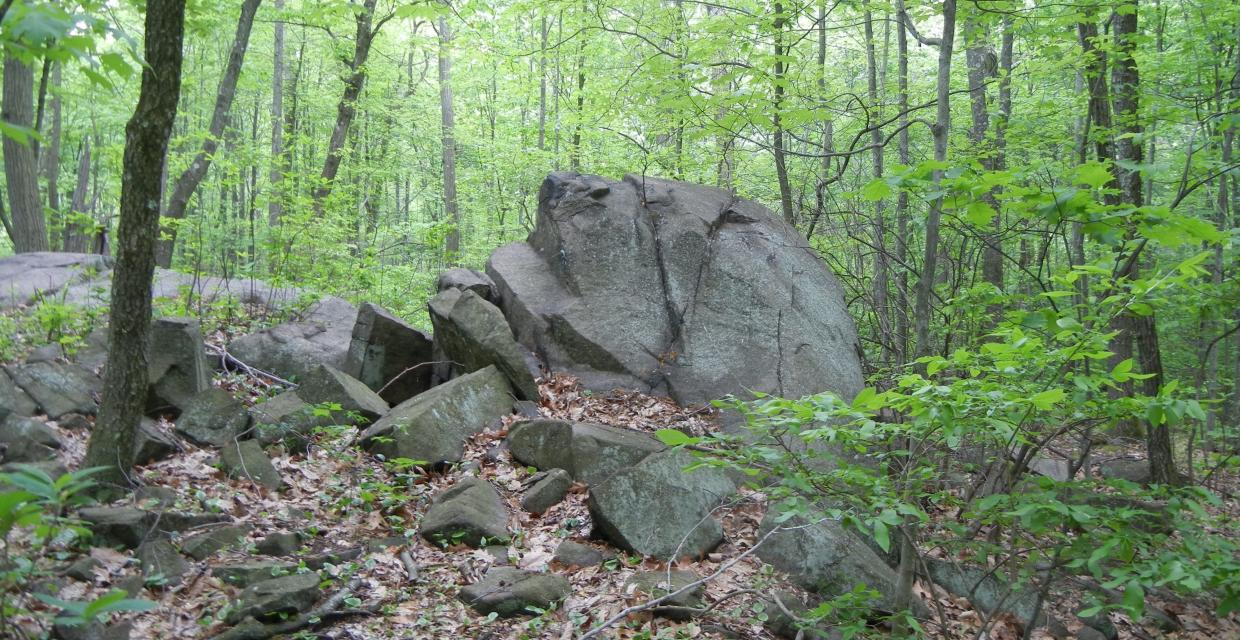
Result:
<point x="146" y="144"/>
<point x="346" y="110"/>
<point x="29" y="228"/>
<point x="452" y="244"/>
<point x="275" y="204"/>
<point x="188" y="183"/>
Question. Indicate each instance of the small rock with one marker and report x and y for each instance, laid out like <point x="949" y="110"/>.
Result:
<point x="212" y="418"/>
<point x="246" y="459"/>
<point x="287" y="419"/>
<point x="467" y="280"/>
<point x="1089" y="633"/>
<point x="74" y="422"/>
<point x="656" y="584"/>
<point x="467" y="513"/>
<point x="160" y="561"/>
<point x="27" y="440"/>
<point x="575" y="554"/>
<point x="151" y="444"/>
<point x="92" y="631"/>
<point x="526" y="410"/>
<point x="279" y="544"/>
<point x="117" y="526"/>
<point x="244" y="574"/>
<point x="508" y="592"/>
<point x="547" y="492"/>
<point x="272" y="600"/>
<point x="208" y="543"/>
<point x="327" y="384"/>
<point x="1100" y="623"/>
<point x="83" y="569"/>
<point x="14" y="401"/>
<point x="154" y="495"/>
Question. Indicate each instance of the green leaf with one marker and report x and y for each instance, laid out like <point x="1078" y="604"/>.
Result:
<point x="674" y="438"/>
<point x="1134" y="599"/>
<point x="979" y="214"/>
<point x="881" y="536"/>
<point x="876" y="190"/>
<point x="1048" y="399"/>
<point x="1093" y="174"/>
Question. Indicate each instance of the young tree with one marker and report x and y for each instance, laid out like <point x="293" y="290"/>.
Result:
<point x="146" y="144"/>
<point x="29" y="229"/>
<point x="452" y="244"/>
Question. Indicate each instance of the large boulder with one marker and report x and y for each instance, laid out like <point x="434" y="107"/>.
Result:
<point x="58" y="388"/>
<point x="389" y="356"/>
<point x="319" y="336"/>
<point x="824" y="558"/>
<point x="472" y="333"/>
<point x="27" y="440"/>
<point x="26" y="276"/>
<point x="656" y="508"/>
<point x="432" y="427"/>
<point x="590" y="452"/>
<point x="14" y="401"/>
<point x="276" y="599"/>
<point x="213" y="418"/>
<point x="177" y="366"/>
<point x="987" y="590"/>
<point x="327" y="384"/>
<point x="674" y="288"/>
<point x="470" y="512"/>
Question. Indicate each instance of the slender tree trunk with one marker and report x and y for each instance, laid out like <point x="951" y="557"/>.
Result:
<point x="942" y="128"/>
<point x="188" y="183"/>
<point x="346" y="110"/>
<point x="146" y="144"/>
<point x="452" y="244"/>
<point x="980" y="58"/>
<point x="275" y="206"/>
<point x="781" y="168"/>
<point x="901" y="311"/>
<point x="542" y="84"/>
<point x="51" y="158"/>
<point x="881" y="307"/>
<point x="29" y="228"/>
<point x="574" y="150"/>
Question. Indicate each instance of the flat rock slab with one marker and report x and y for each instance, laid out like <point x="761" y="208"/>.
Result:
<point x="658" y="509"/>
<point x="212" y="418"/>
<point x="590" y="452"/>
<point x="58" y="388"/>
<point x="244" y="574"/>
<point x="388" y="355"/>
<point x="291" y="350"/>
<point x="432" y="427"/>
<point x="470" y="512"/>
<point x="473" y="334"/>
<point x="203" y="545"/>
<point x="14" y="401"/>
<point x="509" y="592"/>
<point x="576" y="554"/>
<point x="275" y="599"/>
<point x="23" y="277"/>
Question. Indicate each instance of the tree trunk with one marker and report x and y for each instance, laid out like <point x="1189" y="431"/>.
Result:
<point x="75" y="239"/>
<point x="185" y="185"/>
<point x="781" y="169"/>
<point x="275" y="204"/>
<point x="29" y="229"/>
<point x="881" y="308"/>
<point x="980" y="59"/>
<point x="452" y="244"/>
<point x="901" y="311"/>
<point x="51" y="157"/>
<point x="542" y="84"/>
<point x="942" y="128"/>
<point x="346" y="110"/>
<point x="146" y="144"/>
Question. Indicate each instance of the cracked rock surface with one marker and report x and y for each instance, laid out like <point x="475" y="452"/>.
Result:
<point x="673" y="288"/>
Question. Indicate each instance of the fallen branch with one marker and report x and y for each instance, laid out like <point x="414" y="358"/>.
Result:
<point x="251" y="629"/>
<point x="229" y="362"/>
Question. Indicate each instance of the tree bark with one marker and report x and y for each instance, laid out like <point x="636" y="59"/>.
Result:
<point x="781" y="168"/>
<point x="902" y="144"/>
<point x="346" y="110"/>
<point x="17" y="107"/>
<point x="452" y="244"/>
<point x="980" y="59"/>
<point x="881" y="308"/>
<point x="51" y="157"/>
<point x="188" y="183"/>
<point x="146" y="144"/>
<point x="75" y="240"/>
<point x="275" y="204"/>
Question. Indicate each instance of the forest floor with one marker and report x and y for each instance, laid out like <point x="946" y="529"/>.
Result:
<point x="406" y="587"/>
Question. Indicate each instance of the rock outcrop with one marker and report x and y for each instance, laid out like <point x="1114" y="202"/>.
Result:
<point x="675" y="289"/>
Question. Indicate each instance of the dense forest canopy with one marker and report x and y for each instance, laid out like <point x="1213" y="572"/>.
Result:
<point x="1031" y="206"/>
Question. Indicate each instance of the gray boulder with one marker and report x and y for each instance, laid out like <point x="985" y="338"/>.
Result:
<point x="58" y="388"/>
<point x="118" y="526"/>
<point x="25" y="276"/>
<point x="674" y="288"/>
<point x="152" y="445"/>
<point x="275" y="599"/>
<point x="467" y="280"/>
<point x="327" y="384"/>
<point x="14" y="401"/>
<point x="823" y="558"/>
<point x="244" y="574"/>
<point x="1137" y="471"/>
<point x="389" y="356"/>
<point x="547" y="491"/>
<point x="986" y="590"/>
<point x="467" y="513"/>
<point x="160" y="560"/>
<point x="287" y="419"/>
<point x="590" y="452"/>
<point x="657" y="584"/>
<point x="473" y="334"/>
<point x="246" y="459"/>
<point x="212" y="418"/>
<point x="432" y="427"/>
<point x="201" y="546"/>
<point x="292" y="349"/>
<point x="576" y="554"/>
<point x="658" y="509"/>
<point x="178" y="368"/>
<point x="281" y="543"/>
<point x="509" y="592"/>
<point x="27" y="440"/>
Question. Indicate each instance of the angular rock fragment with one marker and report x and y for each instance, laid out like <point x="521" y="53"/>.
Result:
<point x="212" y="418"/>
<point x="327" y="384"/>
<point x="470" y="512"/>
<point x="509" y="592"/>
<point x="388" y="355"/>
<point x="472" y="334"/>
<point x="246" y="459"/>
<point x="177" y="369"/>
